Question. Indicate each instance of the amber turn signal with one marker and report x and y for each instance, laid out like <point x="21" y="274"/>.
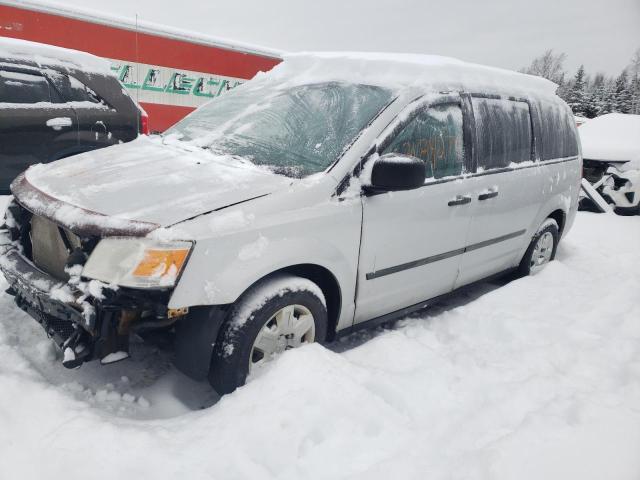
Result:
<point x="158" y="263"/>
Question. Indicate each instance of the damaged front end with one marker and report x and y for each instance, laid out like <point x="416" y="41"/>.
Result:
<point x="87" y="318"/>
<point x="618" y="183"/>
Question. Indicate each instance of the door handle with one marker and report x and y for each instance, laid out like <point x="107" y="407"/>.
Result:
<point x="59" y="122"/>
<point x="459" y="200"/>
<point x="487" y="194"/>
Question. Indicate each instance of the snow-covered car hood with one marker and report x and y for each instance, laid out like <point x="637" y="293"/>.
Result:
<point x="144" y="181"/>
<point x="614" y="137"/>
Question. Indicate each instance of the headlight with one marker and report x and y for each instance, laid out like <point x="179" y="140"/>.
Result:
<point x="137" y="262"/>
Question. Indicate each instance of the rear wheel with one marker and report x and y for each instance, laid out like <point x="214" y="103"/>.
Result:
<point x="542" y="248"/>
<point x="278" y="314"/>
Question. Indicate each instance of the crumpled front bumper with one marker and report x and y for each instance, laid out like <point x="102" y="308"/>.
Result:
<point x="86" y="318"/>
<point x="71" y="326"/>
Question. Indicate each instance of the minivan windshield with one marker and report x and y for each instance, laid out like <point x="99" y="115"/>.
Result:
<point x="296" y="131"/>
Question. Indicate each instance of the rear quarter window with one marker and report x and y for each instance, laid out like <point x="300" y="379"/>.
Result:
<point x="20" y="87"/>
<point x="73" y="90"/>
<point x="503" y="132"/>
<point x="557" y="131"/>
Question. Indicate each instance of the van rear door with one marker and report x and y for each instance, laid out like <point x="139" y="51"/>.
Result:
<point x="506" y="187"/>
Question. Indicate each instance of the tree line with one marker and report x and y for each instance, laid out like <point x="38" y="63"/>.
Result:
<point x="591" y="95"/>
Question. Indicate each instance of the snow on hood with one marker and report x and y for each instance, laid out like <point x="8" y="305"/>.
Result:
<point x="398" y="70"/>
<point x="148" y="181"/>
<point x="50" y="55"/>
<point x="611" y="137"/>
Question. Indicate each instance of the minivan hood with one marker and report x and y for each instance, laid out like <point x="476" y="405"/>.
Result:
<point x="150" y="182"/>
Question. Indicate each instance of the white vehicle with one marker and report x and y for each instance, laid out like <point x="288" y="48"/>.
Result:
<point x="611" y="151"/>
<point x="336" y="192"/>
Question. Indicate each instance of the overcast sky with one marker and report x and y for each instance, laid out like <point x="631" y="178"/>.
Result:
<point x="601" y="34"/>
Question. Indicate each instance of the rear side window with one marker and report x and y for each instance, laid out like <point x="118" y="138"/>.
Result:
<point x="19" y="87"/>
<point x="435" y="137"/>
<point x="82" y="93"/>
<point x="73" y="90"/>
<point x="557" y="131"/>
<point x="503" y="132"/>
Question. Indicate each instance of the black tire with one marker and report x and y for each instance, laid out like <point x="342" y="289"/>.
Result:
<point x="628" y="211"/>
<point x="549" y="225"/>
<point x="232" y="351"/>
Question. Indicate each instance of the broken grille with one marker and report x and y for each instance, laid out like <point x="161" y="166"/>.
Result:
<point x="51" y="246"/>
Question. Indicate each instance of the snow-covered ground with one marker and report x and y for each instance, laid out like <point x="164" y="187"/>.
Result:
<point x="538" y="378"/>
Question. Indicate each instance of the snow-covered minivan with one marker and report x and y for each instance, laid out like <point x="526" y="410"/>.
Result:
<point x="336" y="192"/>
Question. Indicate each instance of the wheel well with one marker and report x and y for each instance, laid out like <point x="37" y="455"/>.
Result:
<point x="559" y="216"/>
<point x="329" y="286"/>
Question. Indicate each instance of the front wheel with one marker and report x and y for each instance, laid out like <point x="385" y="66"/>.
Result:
<point x="279" y="313"/>
<point x="542" y="248"/>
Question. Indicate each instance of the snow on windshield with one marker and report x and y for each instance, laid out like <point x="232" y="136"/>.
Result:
<point x="295" y="131"/>
<point x="298" y="117"/>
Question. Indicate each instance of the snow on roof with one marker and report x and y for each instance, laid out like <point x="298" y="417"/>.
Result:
<point x="141" y="26"/>
<point x="44" y="54"/>
<point x="397" y="70"/>
<point x="611" y="137"/>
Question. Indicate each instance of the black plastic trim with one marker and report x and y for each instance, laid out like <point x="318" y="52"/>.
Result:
<point x="488" y="195"/>
<point x="196" y="333"/>
<point x="492" y="241"/>
<point x="442" y="256"/>
<point x="462" y="200"/>
<point x="414" y="264"/>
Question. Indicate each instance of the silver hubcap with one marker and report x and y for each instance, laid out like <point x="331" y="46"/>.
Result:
<point x="541" y="252"/>
<point x="290" y="327"/>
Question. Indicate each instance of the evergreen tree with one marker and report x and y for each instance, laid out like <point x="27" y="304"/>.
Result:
<point x="634" y="87"/>
<point x="622" y="98"/>
<point x="591" y="98"/>
<point x="590" y="109"/>
<point x="605" y="98"/>
<point x="577" y="95"/>
<point x="635" y="95"/>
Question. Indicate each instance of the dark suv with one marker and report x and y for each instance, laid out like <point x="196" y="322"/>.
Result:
<point x="55" y="103"/>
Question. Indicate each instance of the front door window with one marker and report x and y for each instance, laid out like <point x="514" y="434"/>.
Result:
<point x="434" y="136"/>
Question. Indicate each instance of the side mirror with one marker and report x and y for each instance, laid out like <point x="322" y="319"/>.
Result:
<point x="397" y="172"/>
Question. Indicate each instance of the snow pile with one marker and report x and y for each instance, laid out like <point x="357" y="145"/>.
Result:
<point x="614" y="137"/>
<point x="44" y="55"/>
<point x="539" y="378"/>
<point x="398" y="70"/>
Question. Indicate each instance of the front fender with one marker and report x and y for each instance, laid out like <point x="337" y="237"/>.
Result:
<point x="220" y="269"/>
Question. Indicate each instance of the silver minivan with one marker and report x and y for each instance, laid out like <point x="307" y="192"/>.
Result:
<point x="336" y="192"/>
